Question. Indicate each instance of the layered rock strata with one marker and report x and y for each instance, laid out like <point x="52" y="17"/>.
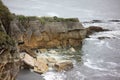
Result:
<point x="9" y="57"/>
<point x="34" y="34"/>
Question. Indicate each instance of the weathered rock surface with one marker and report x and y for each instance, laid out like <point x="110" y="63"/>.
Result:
<point x="41" y="65"/>
<point x="64" y="65"/>
<point x="28" y="60"/>
<point x="43" y="62"/>
<point x="27" y="50"/>
<point x="9" y="57"/>
<point x="51" y="34"/>
<point x="93" y="29"/>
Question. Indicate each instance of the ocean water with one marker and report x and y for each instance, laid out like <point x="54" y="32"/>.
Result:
<point x="82" y="9"/>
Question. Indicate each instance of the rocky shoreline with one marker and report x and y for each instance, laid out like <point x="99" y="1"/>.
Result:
<point x="22" y="37"/>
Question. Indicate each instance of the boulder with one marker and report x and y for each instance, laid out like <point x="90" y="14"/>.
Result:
<point x="41" y="65"/>
<point x="43" y="50"/>
<point x="63" y="65"/>
<point x="51" y="60"/>
<point x="27" y="50"/>
<point x="53" y="52"/>
<point x="93" y="29"/>
<point x="28" y="60"/>
<point x="72" y="49"/>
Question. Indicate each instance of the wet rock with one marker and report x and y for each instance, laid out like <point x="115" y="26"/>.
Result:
<point x="63" y="65"/>
<point x="41" y="65"/>
<point x="114" y="20"/>
<point x="43" y="50"/>
<point x="27" y="59"/>
<point x="93" y="29"/>
<point x="27" y="50"/>
<point x="101" y="38"/>
<point x="51" y="60"/>
<point x="96" y="21"/>
<point x="72" y="49"/>
<point x="53" y="52"/>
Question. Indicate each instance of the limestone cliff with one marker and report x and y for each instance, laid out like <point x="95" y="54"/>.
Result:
<point x="9" y="58"/>
<point x="47" y="32"/>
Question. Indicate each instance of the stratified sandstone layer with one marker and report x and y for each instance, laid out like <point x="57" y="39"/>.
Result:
<point x="9" y="57"/>
<point x="47" y="32"/>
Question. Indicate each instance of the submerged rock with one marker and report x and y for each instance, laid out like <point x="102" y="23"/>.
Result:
<point x="103" y="38"/>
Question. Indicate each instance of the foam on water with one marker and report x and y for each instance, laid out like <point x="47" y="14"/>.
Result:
<point x="110" y="34"/>
<point x="54" y="76"/>
<point x="91" y="65"/>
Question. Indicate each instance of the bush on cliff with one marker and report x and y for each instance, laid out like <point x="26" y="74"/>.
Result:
<point x="5" y="17"/>
<point x="5" y="40"/>
<point x="45" y="19"/>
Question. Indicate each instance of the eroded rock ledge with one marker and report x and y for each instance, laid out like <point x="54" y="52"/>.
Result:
<point x="47" y="32"/>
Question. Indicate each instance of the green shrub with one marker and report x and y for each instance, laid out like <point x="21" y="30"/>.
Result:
<point x="6" y="40"/>
<point x="5" y="17"/>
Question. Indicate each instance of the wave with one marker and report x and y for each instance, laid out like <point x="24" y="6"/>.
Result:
<point x="90" y="64"/>
<point x="54" y="76"/>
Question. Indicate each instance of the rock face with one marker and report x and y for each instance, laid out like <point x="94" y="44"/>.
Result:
<point x="9" y="57"/>
<point x="51" y="34"/>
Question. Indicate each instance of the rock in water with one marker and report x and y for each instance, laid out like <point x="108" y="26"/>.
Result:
<point x="41" y="65"/>
<point x="43" y="50"/>
<point x="93" y="29"/>
<point x="64" y="65"/>
<point x="28" y="60"/>
<point x="72" y="49"/>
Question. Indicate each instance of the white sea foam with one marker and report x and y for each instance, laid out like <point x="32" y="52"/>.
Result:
<point x="91" y="39"/>
<point x="100" y="43"/>
<point x="110" y="34"/>
<point x="91" y="65"/>
<point x="107" y="44"/>
<point x="54" y="76"/>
